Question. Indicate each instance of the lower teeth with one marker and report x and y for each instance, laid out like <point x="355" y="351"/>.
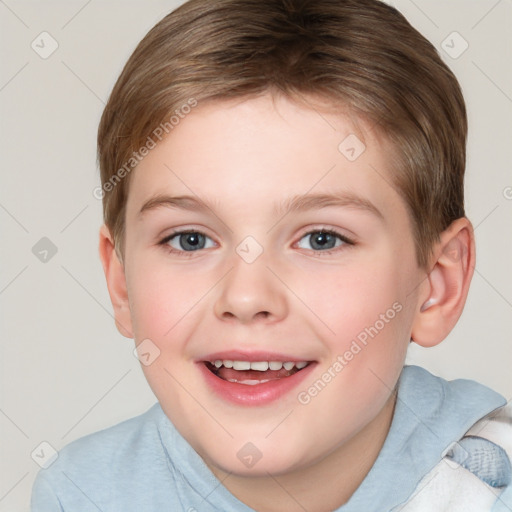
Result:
<point x="252" y="382"/>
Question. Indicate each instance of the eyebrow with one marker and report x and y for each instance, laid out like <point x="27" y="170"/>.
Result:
<point x="190" y="203"/>
<point x="317" y="201"/>
<point x="294" y="204"/>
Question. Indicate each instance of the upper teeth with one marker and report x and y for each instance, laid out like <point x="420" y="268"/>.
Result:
<point x="261" y="366"/>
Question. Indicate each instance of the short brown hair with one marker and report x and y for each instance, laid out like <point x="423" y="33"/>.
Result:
<point x="359" y="53"/>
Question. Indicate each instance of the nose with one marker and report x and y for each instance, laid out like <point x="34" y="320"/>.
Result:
<point x="251" y="293"/>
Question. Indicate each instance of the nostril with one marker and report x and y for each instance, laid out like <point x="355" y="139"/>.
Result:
<point x="261" y="314"/>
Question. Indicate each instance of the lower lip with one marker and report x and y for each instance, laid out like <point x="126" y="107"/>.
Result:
<point x="259" y="394"/>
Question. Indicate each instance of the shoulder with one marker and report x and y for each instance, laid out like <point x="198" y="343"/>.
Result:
<point x="417" y="379"/>
<point x="106" y="446"/>
<point x="474" y="472"/>
<point x="94" y="468"/>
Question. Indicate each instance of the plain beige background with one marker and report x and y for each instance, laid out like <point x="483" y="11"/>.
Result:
<point x="65" y="370"/>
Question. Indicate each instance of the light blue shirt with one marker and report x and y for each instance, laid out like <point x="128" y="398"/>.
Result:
<point x="144" y="464"/>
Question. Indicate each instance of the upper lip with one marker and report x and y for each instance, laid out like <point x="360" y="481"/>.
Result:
<point x="238" y="355"/>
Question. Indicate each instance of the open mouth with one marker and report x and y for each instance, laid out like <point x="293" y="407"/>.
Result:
<point x="252" y="373"/>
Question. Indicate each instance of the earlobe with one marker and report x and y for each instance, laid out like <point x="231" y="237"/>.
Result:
<point x="444" y="292"/>
<point x="116" y="282"/>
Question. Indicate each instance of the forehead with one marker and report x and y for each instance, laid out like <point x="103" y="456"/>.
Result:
<point x="263" y="152"/>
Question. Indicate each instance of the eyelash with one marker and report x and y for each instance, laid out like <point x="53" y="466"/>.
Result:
<point x="168" y="238"/>
<point x="347" y="242"/>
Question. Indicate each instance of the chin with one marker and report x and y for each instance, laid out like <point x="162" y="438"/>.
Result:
<point x="248" y="460"/>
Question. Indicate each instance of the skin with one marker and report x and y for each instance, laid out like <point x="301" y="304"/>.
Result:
<point x="245" y="158"/>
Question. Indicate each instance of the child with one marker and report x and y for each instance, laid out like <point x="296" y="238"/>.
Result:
<point x="284" y="214"/>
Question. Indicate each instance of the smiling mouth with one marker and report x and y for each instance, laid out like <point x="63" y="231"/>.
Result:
<point x="252" y="373"/>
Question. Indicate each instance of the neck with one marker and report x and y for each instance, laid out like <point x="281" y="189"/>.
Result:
<point x="323" y="486"/>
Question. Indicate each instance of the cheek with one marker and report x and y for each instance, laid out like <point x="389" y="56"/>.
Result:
<point x="152" y="306"/>
<point x="357" y="301"/>
<point x="161" y="299"/>
<point x="364" y="310"/>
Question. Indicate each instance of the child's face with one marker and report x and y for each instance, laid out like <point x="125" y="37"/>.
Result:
<point x="305" y="298"/>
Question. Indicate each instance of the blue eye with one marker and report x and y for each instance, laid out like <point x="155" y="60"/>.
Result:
<point x="319" y="241"/>
<point x="188" y="241"/>
<point x="323" y="240"/>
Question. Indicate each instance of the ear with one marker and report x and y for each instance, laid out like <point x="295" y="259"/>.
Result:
<point x="444" y="292"/>
<point x="116" y="282"/>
